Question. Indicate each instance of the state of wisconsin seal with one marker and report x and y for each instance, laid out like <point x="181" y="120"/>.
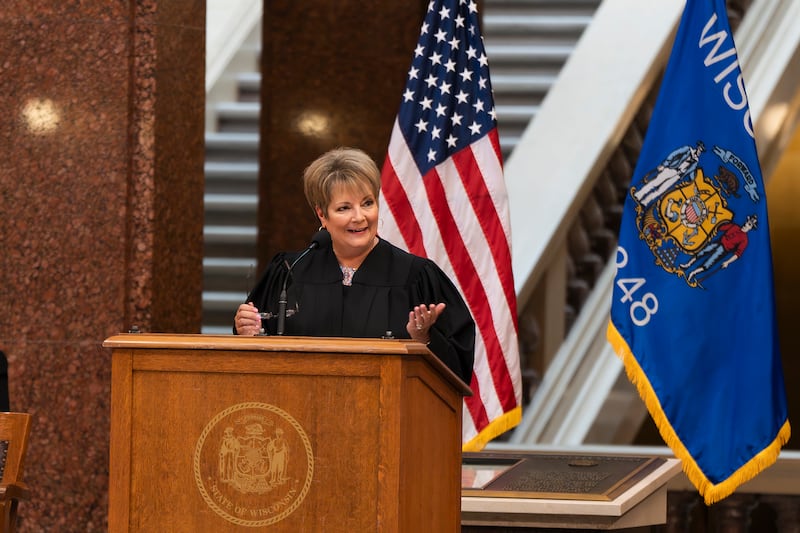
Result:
<point x="253" y="464"/>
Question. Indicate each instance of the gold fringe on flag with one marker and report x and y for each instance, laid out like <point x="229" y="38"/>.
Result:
<point x="710" y="492"/>
<point x="496" y="427"/>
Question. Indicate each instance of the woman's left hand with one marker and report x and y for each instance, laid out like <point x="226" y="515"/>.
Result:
<point x="421" y="319"/>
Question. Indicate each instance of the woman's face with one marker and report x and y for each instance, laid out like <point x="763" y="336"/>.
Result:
<point x="352" y="221"/>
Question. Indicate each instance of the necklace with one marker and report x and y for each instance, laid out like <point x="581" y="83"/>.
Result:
<point x="347" y="275"/>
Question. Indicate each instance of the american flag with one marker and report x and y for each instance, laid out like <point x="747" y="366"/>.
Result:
<point x="444" y="197"/>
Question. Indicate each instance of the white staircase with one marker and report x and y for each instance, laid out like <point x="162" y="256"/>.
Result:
<point x="527" y="42"/>
<point x="231" y="173"/>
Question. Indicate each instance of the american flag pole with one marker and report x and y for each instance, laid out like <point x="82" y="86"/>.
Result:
<point x="444" y="197"/>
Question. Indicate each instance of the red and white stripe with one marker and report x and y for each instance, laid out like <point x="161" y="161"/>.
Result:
<point x="457" y="215"/>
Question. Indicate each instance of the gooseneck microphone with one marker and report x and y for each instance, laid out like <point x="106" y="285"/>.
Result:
<point x="318" y="238"/>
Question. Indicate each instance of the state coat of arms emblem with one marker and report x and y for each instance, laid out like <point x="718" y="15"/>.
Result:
<point x="686" y="216"/>
<point x="253" y="464"/>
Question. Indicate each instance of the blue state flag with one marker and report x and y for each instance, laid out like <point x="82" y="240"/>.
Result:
<point x="693" y="311"/>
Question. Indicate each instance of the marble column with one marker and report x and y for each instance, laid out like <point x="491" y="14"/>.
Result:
<point x="101" y="215"/>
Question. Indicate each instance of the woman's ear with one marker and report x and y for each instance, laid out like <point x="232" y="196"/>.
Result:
<point x="320" y="215"/>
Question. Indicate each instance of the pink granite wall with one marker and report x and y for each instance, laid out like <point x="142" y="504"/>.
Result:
<point x="101" y="184"/>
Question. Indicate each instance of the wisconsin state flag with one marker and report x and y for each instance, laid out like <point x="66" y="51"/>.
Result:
<point x="693" y="314"/>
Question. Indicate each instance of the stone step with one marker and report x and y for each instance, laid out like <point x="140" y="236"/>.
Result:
<point x="239" y="117"/>
<point x="230" y="241"/>
<point x="231" y="209"/>
<point x="231" y="178"/>
<point x="249" y="84"/>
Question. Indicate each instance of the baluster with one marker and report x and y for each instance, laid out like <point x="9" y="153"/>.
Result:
<point x="787" y="511"/>
<point x="733" y="513"/>
<point x="679" y="508"/>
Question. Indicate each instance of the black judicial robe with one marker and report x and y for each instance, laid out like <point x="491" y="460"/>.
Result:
<point x="387" y="285"/>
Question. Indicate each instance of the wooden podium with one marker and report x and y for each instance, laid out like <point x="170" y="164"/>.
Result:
<point x="227" y="433"/>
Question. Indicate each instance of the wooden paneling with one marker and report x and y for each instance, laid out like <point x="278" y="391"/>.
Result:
<point x="372" y="429"/>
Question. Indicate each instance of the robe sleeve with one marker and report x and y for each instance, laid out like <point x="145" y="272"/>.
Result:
<point x="453" y="334"/>
<point x="266" y="292"/>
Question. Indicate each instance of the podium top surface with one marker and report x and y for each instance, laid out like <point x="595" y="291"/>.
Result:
<point x="343" y="345"/>
<point x="265" y="343"/>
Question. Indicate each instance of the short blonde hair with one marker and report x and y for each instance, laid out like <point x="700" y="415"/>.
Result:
<point x="349" y="167"/>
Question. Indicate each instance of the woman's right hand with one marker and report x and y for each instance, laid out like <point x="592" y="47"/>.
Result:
<point x="247" y="321"/>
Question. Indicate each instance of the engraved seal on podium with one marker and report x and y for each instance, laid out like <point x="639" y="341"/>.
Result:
<point x="253" y="464"/>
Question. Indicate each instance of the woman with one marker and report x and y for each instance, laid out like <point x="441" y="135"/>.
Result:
<point x="355" y="284"/>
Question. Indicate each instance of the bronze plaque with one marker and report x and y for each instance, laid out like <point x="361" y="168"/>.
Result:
<point x="556" y="476"/>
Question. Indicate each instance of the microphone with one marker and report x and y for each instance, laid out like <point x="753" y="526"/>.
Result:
<point x="318" y="239"/>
